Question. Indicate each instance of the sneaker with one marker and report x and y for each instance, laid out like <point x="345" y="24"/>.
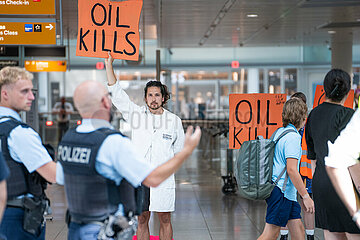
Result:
<point x="310" y="237"/>
<point x="284" y="237"/>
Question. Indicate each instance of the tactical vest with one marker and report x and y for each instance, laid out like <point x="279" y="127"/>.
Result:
<point x="20" y="181"/>
<point x="90" y="196"/>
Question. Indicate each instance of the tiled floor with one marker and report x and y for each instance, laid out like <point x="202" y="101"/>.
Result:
<point x="202" y="211"/>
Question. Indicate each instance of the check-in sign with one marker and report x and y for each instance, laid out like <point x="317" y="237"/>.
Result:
<point x="45" y="66"/>
<point x="33" y="7"/>
<point x="27" y="33"/>
<point x="252" y="115"/>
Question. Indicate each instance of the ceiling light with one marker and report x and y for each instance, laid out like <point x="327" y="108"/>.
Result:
<point x="358" y="19"/>
<point x="331" y="32"/>
<point x="252" y="15"/>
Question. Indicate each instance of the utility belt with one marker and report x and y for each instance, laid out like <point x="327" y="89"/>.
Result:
<point x="118" y="228"/>
<point x="34" y="210"/>
<point x="113" y="227"/>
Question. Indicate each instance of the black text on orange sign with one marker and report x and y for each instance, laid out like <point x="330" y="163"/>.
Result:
<point x="88" y="35"/>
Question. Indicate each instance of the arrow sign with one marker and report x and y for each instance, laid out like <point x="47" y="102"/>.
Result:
<point x="50" y="26"/>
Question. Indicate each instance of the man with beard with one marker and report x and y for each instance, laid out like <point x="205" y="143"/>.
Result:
<point x="158" y="135"/>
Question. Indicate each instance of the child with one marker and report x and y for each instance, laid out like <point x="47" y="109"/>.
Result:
<point x="283" y="208"/>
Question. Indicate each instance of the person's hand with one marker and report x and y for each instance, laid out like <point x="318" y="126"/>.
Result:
<point x="109" y="61"/>
<point x="192" y="139"/>
<point x="309" y="204"/>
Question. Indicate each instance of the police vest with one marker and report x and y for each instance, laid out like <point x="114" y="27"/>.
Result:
<point x="305" y="163"/>
<point x="90" y="196"/>
<point x="20" y="181"/>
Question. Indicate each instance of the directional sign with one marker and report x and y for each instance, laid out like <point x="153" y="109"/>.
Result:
<point x="33" y="7"/>
<point x="45" y="66"/>
<point x="27" y="33"/>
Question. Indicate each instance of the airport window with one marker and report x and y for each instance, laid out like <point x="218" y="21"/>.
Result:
<point x="290" y="81"/>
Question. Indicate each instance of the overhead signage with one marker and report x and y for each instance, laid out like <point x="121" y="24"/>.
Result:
<point x="45" y="66"/>
<point x="108" y="26"/>
<point x="320" y="97"/>
<point x="5" y="63"/>
<point x="252" y="115"/>
<point x="27" y="33"/>
<point x="33" y="7"/>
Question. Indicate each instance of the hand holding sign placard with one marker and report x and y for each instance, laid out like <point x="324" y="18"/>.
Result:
<point x="251" y="115"/>
<point x="109" y="26"/>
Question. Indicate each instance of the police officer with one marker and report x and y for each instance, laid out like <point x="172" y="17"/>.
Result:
<point x="27" y="159"/>
<point x="95" y="158"/>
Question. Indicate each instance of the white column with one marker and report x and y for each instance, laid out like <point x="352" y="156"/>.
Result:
<point x="282" y="80"/>
<point x="266" y="80"/>
<point x="43" y="91"/>
<point x="341" y="50"/>
<point x="253" y="80"/>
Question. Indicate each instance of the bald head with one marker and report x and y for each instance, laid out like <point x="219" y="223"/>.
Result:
<point x="91" y="101"/>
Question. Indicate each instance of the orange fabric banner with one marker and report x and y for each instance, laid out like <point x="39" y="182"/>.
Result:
<point x="251" y="115"/>
<point x="319" y="97"/>
<point x="105" y="26"/>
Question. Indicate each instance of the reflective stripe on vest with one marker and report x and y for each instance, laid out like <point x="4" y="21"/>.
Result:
<point x="305" y="163"/>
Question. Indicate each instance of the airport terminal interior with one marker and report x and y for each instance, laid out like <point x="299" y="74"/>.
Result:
<point x="204" y="51"/>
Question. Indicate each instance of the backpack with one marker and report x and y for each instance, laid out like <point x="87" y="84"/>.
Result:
<point x="254" y="167"/>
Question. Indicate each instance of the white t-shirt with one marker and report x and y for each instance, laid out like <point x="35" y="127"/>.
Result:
<point x="345" y="151"/>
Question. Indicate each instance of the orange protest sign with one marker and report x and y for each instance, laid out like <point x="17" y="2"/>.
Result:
<point x="320" y="97"/>
<point x="105" y="26"/>
<point x="251" y="115"/>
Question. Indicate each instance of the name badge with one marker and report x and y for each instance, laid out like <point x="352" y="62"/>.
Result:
<point x="167" y="136"/>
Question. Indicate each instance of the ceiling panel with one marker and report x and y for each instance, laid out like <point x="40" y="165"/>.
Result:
<point x="184" y="23"/>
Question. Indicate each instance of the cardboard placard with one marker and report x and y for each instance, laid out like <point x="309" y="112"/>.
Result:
<point x="319" y="97"/>
<point x="251" y="115"/>
<point x="105" y="26"/>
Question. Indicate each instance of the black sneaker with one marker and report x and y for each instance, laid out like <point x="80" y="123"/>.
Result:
<point x="284" y="237"/>
<point x="310" y="237"/>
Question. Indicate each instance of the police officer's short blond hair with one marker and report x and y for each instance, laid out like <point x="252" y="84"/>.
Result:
<point x="9" y="75"/>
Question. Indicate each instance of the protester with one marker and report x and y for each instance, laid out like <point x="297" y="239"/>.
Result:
<point x="158" y="135"/>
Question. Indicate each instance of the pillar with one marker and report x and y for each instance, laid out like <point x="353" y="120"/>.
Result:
<point x="341" y="50"/>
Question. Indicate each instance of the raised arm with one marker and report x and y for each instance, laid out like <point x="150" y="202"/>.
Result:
<point x="119" y="97"/>
<point x="109" y="70"/>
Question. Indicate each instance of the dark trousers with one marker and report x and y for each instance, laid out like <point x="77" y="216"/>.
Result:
<point x="62" y="128"/>
<point x="12" y="226"/>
